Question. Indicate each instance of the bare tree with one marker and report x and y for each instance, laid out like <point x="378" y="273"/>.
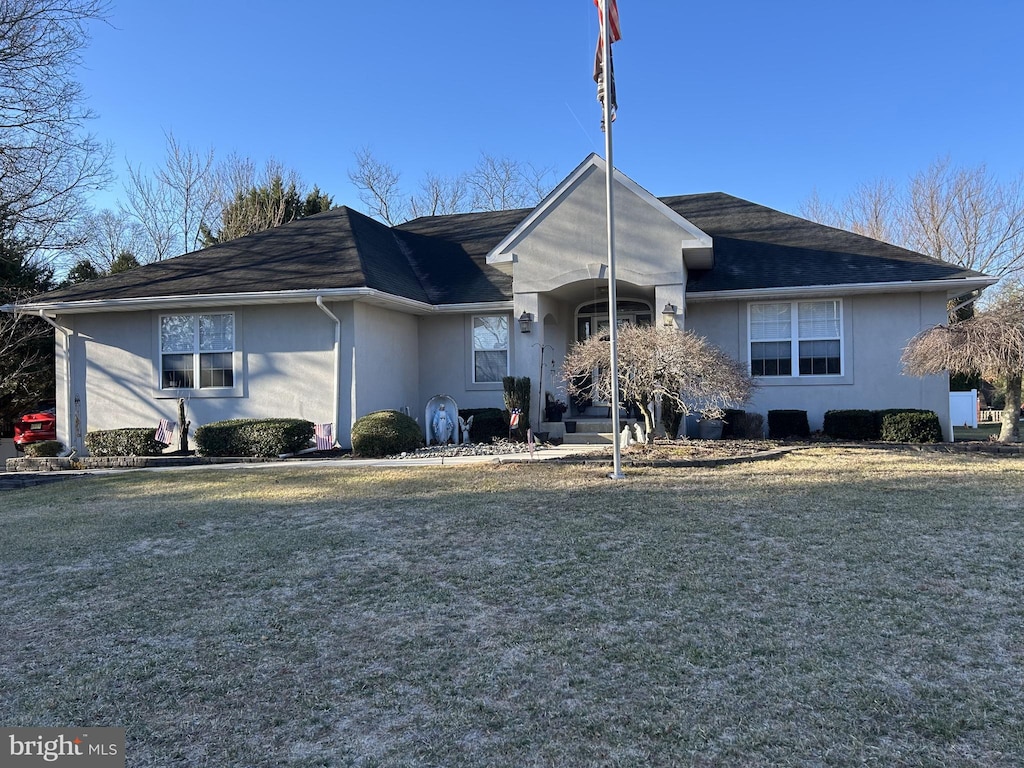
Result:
<point x="965" y="216"/>
<point x="676" y="366"/>
<point x="106" y="235"/>
<point x="990" y="343"/>
<point x="48" y="162"/>
<point x="173" y="204"/>
<point x="494" y="184"/>
<point x="379" y="190"/>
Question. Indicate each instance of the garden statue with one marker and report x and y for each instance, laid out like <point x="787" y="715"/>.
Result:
<point x="442" y="420"/>
<point x="464" y="426"/>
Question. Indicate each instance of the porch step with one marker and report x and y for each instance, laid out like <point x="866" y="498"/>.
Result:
<point x="591" y="432"/>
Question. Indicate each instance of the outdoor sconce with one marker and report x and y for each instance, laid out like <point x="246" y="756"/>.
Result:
<point x="668" y="315"/>
<point x="525" y="321"/>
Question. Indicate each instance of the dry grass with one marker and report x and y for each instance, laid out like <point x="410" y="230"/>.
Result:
<point x="832" y="607"/>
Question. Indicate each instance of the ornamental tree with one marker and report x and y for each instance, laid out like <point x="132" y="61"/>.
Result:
<point x="675" y="366"/>
<point x="990" y="343"/>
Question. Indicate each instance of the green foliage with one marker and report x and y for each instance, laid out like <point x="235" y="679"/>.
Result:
<point x="26" y="343"/>
<point x="124" y="262"/>
<point x="253" y="437"/>
<point x="671" y="417"/>
<point x="788" y="423"/>
<point x="852" y="424"/>
<point x="911" y="426"/>
<point x="129" y="441"/>
<point x="386" y="433"/>
<point x="263" y="207"/>
<point x="44" y="449"/>
<point x="83" y="270"/>
<point x="488" y="423"/>
<point x="517" y="395"/>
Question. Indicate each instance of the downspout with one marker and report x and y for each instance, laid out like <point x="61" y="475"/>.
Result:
<point x="337" y="365"/>
<point x="68" y="387"/>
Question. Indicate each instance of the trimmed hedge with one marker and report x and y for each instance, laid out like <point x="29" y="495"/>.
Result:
<point x="385" y="433"/>
<point x="488" y="423"/>
<point x="788" y="423"/>
<point x="911" y="427"/>
<point x="44" y="449"/>
<point x="742" y="425"/>
<point x="253" y="437"/>
<point x="852" y="424"/>
<point x="129" y="441"/>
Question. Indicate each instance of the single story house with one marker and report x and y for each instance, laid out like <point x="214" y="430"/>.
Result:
<point x="336" y="315"/>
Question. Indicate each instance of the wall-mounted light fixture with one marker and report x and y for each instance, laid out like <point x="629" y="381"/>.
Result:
<point x="668" y="315"/>
<point x="525" y="322"/>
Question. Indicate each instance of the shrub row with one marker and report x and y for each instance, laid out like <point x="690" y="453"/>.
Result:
<point x="44" y="449"/>
<point x="895" y="425"/>
<point x="129" y="441"/>
<point x="488" y="423"/>
<point x="740" y="424"/>
<point x="253" y="437"/>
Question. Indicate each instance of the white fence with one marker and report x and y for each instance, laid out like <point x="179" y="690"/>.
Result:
<point x="963" y="408"/>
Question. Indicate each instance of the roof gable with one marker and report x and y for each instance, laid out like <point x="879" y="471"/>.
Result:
<point x="695" y="244"/>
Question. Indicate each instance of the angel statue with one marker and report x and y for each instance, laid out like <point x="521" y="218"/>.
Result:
<point x="464" y="426"/>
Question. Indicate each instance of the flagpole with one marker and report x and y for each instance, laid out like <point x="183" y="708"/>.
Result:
<point x="613" y="304"/>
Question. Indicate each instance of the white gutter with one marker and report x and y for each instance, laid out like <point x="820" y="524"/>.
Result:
<point x="337" y="365"/>
<point x="257" y="297"/>
<point x="954" y="287"/>
<point x="68" y="394"/>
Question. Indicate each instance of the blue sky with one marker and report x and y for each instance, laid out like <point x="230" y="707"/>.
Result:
<point x="764" y="100"/>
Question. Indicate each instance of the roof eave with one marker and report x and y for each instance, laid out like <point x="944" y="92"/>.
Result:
<point x="954" y="287"/>
<point x="144" y="303"/>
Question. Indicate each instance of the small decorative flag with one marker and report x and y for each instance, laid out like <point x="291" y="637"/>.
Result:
<point x="514" y="419"/>
<point x="165" y="431"/>
<point x="324" y="434"/>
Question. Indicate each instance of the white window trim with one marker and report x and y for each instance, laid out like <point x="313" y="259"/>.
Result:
<point x="160" y="392"/>
<point x="471" y="382"/>
<point x="844" y="375"/>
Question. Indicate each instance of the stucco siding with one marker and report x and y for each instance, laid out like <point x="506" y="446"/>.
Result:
<point x="876" y="329"/>
<point x="284" y="359"/>
<point x="446" y="363"/>
<point x="386" y="358"/>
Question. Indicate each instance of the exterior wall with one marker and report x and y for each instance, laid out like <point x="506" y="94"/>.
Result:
<point x="284" y="359"/>
<point x="387" y="363"/>
<point x="445" y="363"/>
<point x="876" y="329"/>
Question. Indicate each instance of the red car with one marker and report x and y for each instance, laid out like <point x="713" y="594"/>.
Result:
<point x="35" y="427"/>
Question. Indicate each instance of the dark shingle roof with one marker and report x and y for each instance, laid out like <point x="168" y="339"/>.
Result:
<point x="442" y="259"/>
<point x="758" y="247"/>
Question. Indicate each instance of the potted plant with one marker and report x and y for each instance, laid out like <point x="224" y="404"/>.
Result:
<point x="711" y="424"/>
<point x="553" y="409"/>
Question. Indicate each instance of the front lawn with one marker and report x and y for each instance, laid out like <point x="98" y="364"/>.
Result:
<point x="833" y="607"/>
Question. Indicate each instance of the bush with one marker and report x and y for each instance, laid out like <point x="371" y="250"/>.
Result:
<point x="911" y="426"/>
<point x="750" y="426"/>
<point x="788" y="423"/>
<point x="488" y="423"/>
<point x="44" y="449"/>
<point x="129" y="441"/>
<point x="517" y="395"/>
<point x="253" y="437"/>
<point x="385" y="433"/>
<point x="851" y="424"/>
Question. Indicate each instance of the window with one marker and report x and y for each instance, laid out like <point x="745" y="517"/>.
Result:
<point x="801" y="338"/>
<point x="490" y="348"/>
<point x="196" y="351"/>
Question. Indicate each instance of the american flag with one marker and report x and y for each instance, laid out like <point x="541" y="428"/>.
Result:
<point x="614" y="35"/>
<point x="324" y="434"/>
<point x="514" y="419"/>
<point x="165" y="431"/>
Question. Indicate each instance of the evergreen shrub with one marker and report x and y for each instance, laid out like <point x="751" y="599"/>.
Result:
<point x="785" y="423"/>
<point x="386" y="433"/>
<point x="128" y="441"/>
<point x="253" y="437"/>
